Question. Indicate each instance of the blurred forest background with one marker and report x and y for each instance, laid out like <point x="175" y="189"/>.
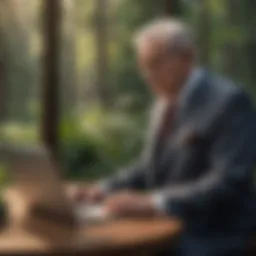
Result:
<point x="103" y="101"/>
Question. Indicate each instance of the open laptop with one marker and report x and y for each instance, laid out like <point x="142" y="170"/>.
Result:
<point x="38" y="178"/>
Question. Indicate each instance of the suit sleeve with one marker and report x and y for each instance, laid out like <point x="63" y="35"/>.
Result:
<point x="132" y="177"/>
<point x="232" y="160"/>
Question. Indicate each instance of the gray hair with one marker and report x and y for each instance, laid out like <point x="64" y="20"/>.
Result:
<point x="176" y="34"/>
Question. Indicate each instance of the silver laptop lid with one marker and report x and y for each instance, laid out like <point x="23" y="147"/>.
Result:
<point x="36" y="176"/>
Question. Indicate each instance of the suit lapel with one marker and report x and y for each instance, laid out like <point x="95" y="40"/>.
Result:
<point x="184" y="102"/>
<point x="187" y="94"/>
<point x="158" y="115"/>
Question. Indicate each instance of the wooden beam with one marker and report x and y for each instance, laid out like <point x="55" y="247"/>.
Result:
<point x="51" y="83"/>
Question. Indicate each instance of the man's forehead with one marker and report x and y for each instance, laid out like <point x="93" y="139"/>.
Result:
<point x="152" y="48"/>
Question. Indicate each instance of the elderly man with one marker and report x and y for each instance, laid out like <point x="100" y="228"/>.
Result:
<point x="200" y="151"/>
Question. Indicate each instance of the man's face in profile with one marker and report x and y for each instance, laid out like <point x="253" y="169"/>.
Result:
<point x="159" y="67"/>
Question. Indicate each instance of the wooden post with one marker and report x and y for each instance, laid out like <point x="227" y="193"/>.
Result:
<point x="50" y="100"/>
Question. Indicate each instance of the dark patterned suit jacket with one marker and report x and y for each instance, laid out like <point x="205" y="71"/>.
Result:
<point x="205" y="171"/>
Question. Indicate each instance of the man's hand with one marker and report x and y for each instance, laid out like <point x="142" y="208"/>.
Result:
<point x="88" y="194"/>
<point x="131" y="204"/>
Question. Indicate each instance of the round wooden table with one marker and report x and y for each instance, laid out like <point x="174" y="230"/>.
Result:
<point x="119" y="237"/>
<point x="27" y="234"/>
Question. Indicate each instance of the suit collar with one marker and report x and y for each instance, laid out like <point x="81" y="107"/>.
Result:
<point x="192" y="81"/>
<point x="187" y="90"/>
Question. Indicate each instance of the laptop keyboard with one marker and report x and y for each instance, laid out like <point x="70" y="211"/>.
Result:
<point x="90" y="213"/>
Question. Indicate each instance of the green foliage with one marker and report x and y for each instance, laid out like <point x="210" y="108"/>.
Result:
<point x="100" y="142"/>
<point x="18" y="133"/>
<point x="131" y="14"/>
<point x="20" y="66"/>
<point x="97" y="142"/>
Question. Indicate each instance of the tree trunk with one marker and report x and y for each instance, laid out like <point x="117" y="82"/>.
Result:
<point x="2" y="91"/>
<point x="101" y="40"/>
<point x="3" y="85"/>
<point x="17" y="63"/>
<point x="205" y="28"/>
<point x="173" y="7"/>
<point x="249" y="24"/>
<point x="50" y="112"/>
<point x="68" y="62"/>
